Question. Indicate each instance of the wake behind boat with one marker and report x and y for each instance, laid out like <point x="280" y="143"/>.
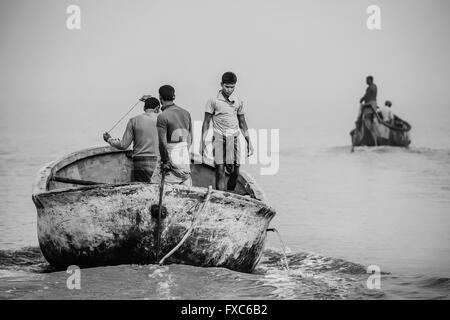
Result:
<point x="90" y="214"/>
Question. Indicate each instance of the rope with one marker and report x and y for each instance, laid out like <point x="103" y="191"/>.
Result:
<point x="123" y="117"/>
<point x="161" y="193"/>
<point x="208" y="196"/>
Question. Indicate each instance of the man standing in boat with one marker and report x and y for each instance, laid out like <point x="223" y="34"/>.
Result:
<point x="369" y="98"/>
<point x="226" y="111"/>
<point x="174" y="126"/>
<point x="141" y="130"/>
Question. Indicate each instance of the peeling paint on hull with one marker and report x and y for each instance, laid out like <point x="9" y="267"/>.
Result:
<point x="112" y="224"/>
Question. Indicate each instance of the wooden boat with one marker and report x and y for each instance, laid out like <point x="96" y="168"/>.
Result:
<point x="374" y="131"/>
<point x="81" y="222"/>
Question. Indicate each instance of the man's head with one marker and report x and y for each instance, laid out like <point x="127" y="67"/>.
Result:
<point x="228" y="83"/>
<point x="369" y="80"/>
<point x="388" y="103"/>
<point x="166" y="93"/>
<point x="151" y="103"/>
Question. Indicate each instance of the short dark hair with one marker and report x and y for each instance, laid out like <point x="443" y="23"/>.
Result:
<point x="229" y="78"/>
<point x="151" y="103"/>
<point x="369" y="78"/>
<point x="167" y="93"/>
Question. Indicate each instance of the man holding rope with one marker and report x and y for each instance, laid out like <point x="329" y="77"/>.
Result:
<point x="141" y="130"/>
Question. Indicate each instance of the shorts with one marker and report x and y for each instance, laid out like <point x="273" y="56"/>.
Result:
<point x="226" y="150"/>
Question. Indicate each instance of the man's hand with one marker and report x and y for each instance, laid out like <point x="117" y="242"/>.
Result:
<point x="249" y="150"/>
<point x="106" y="136"/>
<point x="166" y="166"/>
<point x="145" y="97"/>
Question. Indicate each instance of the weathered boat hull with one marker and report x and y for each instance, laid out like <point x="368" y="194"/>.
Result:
<point x="112" y="224"/>
<point x="375" y="132"/>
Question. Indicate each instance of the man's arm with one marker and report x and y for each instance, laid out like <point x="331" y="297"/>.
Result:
<point x="244" y="130"/>
<point x="205" y="128"/>
<point x="369" y="90"/>
<point x="364" y="98"/>
<point x="161" y="125"/>
<point x="126" y="139"/>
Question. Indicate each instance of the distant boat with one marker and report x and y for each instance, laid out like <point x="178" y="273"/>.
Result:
<point x="376" y="132"/>
<point x="81" y="222"/>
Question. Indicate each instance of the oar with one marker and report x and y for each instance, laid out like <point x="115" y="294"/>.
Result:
<point x="75" y="181"/>
<point x="353" y="140"/>
<point x="355" y="131"/>
<point x="160" y="208"/>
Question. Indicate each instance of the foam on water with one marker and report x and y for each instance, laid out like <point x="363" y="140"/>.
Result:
<point x="311" y="276"/>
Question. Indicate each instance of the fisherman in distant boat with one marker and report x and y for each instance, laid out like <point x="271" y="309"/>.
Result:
<point x="386" y="112"/>
<point x="226" y="111"/>
<point x="380" y="127"/>
<point x="141" y="130"/>
<point x="174" y="126"/>
<point x="369" y="99"/>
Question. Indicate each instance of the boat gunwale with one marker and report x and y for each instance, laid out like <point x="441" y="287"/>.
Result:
<point x="44" y="175"/>
<point x="200" y="191"/>
<point x="390" y="126"/>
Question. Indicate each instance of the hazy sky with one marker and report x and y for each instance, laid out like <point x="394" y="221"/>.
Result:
<point x="300" y="64"/>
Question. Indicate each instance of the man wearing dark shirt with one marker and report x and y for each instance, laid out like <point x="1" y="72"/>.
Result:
<point x="175" y="138"/>
<point x="369" y="99"/>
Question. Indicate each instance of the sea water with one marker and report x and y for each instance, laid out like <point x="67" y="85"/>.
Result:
<point x="339" y="214"/>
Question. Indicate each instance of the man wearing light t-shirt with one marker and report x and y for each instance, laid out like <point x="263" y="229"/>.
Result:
<point x="386" y="112"/>
<point x="226" y="111"/>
